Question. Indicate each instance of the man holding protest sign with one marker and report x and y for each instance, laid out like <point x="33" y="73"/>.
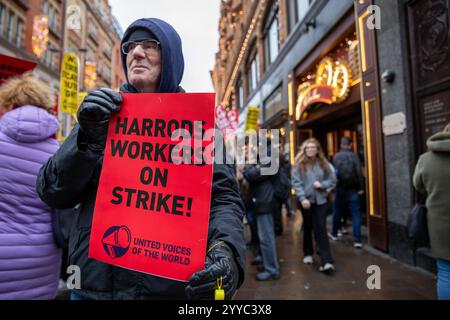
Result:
<point x="153" y="62"/>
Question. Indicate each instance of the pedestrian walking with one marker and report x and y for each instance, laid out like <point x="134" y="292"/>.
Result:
<point x="350" y="186"/>
<point x="263" y="204"/>
<point x="312" y="178"/>
<point x="432" y="177"/>
<point x="29" y="258"/>
<point x="153" y="62"/>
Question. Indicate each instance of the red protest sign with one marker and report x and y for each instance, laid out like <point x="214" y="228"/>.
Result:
<point x="10" y="67"/>
<point x="153" y="201"/>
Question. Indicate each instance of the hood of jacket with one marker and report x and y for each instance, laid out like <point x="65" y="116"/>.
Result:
<point x="440" y="142"/>
<point x="171" y="50"/>
<point x="28" y="124"/>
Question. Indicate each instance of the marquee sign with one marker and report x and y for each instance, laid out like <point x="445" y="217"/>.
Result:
<point x="332" y="85"/>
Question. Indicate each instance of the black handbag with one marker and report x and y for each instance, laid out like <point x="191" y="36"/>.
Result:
<point x="417" y="223"/>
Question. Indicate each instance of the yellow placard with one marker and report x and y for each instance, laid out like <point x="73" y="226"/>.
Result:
<point x="81" y="96"/>
<point x="252" y="119"/>
<point x="69" y="84"/>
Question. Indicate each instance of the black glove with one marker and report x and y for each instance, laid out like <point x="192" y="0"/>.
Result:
<point x="219" y="262"/>
<point x="93" y="117"/>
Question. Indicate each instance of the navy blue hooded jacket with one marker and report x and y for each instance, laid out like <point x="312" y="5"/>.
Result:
<point x="171" y="49"/>
<point x="71" y="177"/>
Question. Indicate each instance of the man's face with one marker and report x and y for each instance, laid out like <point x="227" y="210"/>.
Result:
<point x="144" y="68"/>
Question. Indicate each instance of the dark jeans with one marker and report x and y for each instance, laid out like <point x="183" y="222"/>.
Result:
<point x="344" y="198"/>
<point x="267" y="243"/>
<point x="315" y="220"/>
<point x="277" y="222"/>
<point x="251" y="218"/>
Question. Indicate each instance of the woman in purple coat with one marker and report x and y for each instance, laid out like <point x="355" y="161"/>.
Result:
<point x="29" y="258"/>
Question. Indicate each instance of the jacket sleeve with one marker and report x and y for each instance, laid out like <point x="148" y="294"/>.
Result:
<point x="330" y="179"/>
<point x="298" y="185"/>
<point x="253" y="174"/>
<point x="418" y="177"/>
<point x="61" y="182"/>
<point x="227" y="212"/>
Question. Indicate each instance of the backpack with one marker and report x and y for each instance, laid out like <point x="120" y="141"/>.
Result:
<point x="282" y="188"/>
<point x="346" y="171"/>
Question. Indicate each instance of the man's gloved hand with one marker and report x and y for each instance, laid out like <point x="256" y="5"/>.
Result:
<point x="219" y="262"/>
<point x="94" y="114"/>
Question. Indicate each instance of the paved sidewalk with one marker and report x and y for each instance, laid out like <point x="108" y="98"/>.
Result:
<point x="299" y="281"/>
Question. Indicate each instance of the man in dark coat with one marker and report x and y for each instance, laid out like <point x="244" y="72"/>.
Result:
<point x="350" y="186"/>
<point x="262" y="197"/>
<point x="153" y="61"/>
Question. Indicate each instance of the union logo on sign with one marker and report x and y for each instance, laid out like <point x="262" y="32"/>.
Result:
<point x="116" y="241"/>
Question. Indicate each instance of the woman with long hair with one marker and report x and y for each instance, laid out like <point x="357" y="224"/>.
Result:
<point x="29" y="258"/>
<point x="313" y="177"/>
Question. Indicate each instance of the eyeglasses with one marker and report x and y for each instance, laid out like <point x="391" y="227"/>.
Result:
<point x="149" y="46"/>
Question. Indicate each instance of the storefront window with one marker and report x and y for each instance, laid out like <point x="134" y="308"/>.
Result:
<point x="92" y="30"/>
<point x="10" y="26"/>
<point x="51" y="16"/>
<point x="45" y="6"/>
<point x="302" y="8"/>
<point x="19" y="33"/>
<point x="240" y="94"/>
<point x="271" y="40"/>
<point x="297" y="10"/>
<point x="273" y="104"/>
<point x="253" y="76"/>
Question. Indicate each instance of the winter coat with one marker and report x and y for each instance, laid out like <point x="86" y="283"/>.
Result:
<point x="29" y="259"/>
<point x="262" y="196"/>
<point x="71" y="177"/>
<point x="303" y="183"/>
<point x="432" y="176"/>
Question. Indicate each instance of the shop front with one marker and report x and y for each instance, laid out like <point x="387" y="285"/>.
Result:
<point x="329" y="104"/>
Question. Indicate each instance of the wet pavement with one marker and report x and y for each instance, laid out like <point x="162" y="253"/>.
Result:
<point x="349" y="282"/>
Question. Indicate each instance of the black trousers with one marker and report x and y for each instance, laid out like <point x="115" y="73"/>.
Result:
<point x="314" y="220"/>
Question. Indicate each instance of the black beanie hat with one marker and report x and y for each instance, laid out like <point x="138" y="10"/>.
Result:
<point x="140" y="34"/>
